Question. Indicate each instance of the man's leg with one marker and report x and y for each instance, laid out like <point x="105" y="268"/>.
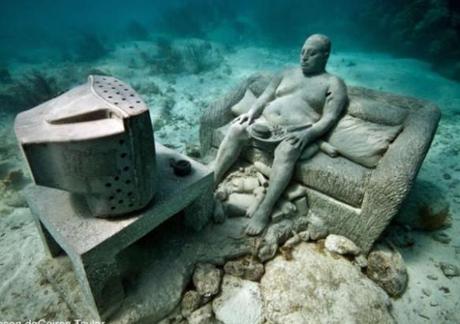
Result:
<point x="286" y="156"/>
<point x="230" y="149"/>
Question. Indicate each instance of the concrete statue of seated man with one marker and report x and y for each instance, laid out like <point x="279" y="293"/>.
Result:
<point x="301" y="105"/>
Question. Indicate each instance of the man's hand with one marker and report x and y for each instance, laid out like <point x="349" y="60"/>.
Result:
<point x="248" y="117"/>
<point x="300" y="139"/>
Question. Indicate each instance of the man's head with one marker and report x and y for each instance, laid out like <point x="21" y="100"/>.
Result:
<point x="314" y="54"/>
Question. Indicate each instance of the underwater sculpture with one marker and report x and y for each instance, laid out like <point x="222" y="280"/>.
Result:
<point x="295" y="110"/>
<point x="91" y="153"/>
<point x="89" y="141"/>
<point x="356" y="177"/>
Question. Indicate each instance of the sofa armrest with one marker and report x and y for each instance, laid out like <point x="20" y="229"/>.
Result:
<point x="219" y="112"/>
<point x="394" y="175"/>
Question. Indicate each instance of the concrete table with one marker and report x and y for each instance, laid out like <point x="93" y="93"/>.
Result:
<point x="93" y="243"/>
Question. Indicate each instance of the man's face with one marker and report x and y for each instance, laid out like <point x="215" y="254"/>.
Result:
<point x="313" y="57"/>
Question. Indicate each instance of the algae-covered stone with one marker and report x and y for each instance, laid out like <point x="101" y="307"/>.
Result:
<point x="246" y="268"/>
<point x="341" y="245"/>
<point x="203" y="315"/>
<point x="388" y="270"/>
<point x="190" y="302"/>
<point x="240" y="302"/>
<point x="450" y="270"/>
<point x="206" y="279"/>
<point x="315" y="287"/>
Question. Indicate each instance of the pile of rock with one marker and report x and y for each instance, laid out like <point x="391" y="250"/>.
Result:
<point x="296" y="271"/>
<point x="297" y="285"/>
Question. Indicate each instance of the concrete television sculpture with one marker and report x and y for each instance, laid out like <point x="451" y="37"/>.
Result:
<point x="95" y="140"/>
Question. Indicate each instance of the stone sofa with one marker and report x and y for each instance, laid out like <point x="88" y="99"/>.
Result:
<point x="381" y="139"/>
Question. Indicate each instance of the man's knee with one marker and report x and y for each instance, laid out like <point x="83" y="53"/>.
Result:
<point x="238" y="132"/>
<point x="287" y="152"/>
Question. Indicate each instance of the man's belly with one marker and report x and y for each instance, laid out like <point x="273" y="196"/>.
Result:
<point x="290" y="111"/>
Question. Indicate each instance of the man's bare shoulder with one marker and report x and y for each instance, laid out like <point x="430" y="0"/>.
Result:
<point x="334" y="81"/>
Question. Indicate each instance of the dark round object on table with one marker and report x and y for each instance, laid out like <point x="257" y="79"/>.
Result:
<point x="262" y="131"/>
<point x="181" y="168"/>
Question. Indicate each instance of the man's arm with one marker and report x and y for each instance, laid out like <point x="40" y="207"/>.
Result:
<point x="336" y="100"/>
<point x="267" y="96"/>
<point x="258" y="106"/>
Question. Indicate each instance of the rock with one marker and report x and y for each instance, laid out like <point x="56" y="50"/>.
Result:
<point x="388" y="270"/>
<point x="245" y="268"/>
<point x="426" y="292"/>
<point x="361" y="261"/>
<point x="304" y="236"/>
<point x="341" y="245"/>
<point x="190" y="302"/>
<point x="203" y="315"/>
<point x="240" y="302"/>
<point x="444" y="289"/>
<point x="207" y="279"/>
<point x="317" y="228"/>
<point x="450" y="270"/>
<point x="315" y="287"/>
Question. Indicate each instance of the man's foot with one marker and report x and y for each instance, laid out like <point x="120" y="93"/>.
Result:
<point x="258" y="222"/>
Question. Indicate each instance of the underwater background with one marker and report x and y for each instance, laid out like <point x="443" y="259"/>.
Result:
<point x="182" y="55"/>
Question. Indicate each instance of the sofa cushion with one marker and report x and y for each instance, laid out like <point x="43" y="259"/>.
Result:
<point x="336" y="177"/>
<point x="376" y="111"/>
<point x="361" y="141"/>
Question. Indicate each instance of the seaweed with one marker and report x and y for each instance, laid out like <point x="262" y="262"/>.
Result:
<point x="424" y="29"/>
<point x="15" y="179"/>
<point x="137" y="31"/>
<point x="198" y="56"/>
<point x="5" y="76"/>
<point x="37" y="88"/>
<point x="34" y="88"/>
<point x="168" y="59"/>
<point x="431" y="221"/>
<point x="90" y="48"/>
<point x="97" y="71"/>
<point x="195" y="56"/>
